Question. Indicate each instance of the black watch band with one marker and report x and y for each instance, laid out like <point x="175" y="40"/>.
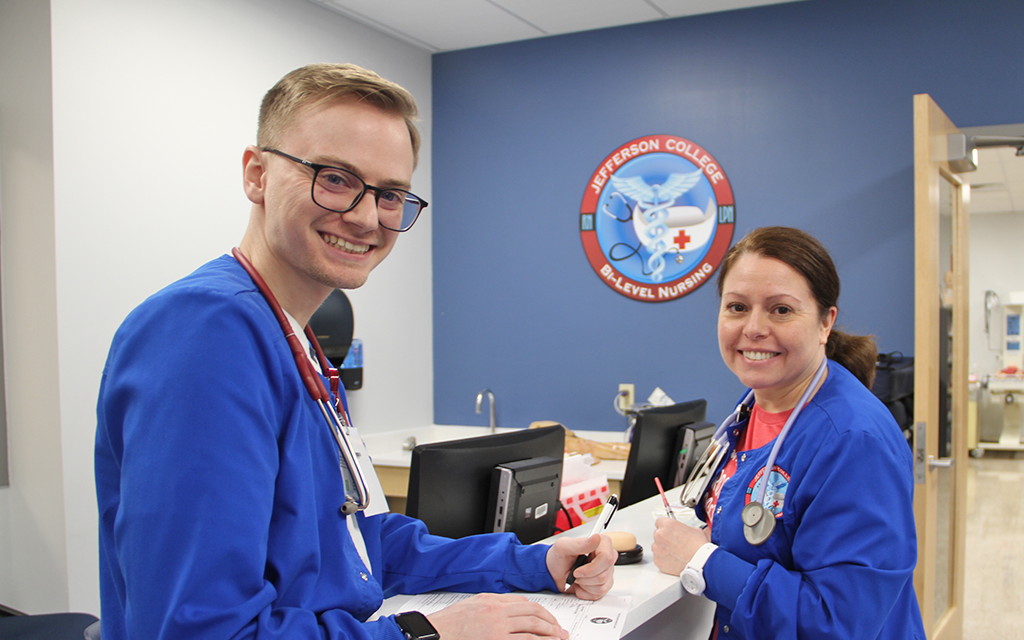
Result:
<point x="415" y="626"/>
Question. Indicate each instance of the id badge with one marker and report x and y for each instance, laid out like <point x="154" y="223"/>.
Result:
<point x="702" y="473"/>
<point x="378" y="501"/>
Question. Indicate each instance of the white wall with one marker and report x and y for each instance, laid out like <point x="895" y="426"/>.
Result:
<point x="153" y="104"/>
<point x="33" y="556"/>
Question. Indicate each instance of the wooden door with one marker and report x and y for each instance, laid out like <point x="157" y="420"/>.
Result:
<point x="940" y="373"/>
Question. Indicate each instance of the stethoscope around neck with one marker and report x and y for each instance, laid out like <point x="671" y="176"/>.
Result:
<point x="758" y="521"/>
<point x="338" y="422"/>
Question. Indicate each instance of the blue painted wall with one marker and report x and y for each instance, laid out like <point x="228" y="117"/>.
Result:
<point x="808" y="109"/>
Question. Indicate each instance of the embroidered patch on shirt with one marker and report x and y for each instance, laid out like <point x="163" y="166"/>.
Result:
<point x="775" y="496"/>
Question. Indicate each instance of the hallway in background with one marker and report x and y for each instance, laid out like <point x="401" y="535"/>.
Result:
<point x="994" y="588"/>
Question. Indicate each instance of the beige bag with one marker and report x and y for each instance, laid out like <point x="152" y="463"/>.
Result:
<point x="575" y="444"/>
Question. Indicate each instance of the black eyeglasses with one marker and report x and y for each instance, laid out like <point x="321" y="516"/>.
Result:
<point x="340" y="190"/>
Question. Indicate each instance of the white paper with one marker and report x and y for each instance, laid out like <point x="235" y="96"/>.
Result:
<point x="659" y="398"/>
<point x="602" y="619"/>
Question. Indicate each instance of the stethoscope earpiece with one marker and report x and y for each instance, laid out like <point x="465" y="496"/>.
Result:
<point x="349" y="507"/>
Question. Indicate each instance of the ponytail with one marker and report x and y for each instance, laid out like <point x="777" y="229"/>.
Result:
<point x="857" y="353"/>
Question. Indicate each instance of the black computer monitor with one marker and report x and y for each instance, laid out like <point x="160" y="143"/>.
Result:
<point x="450" y="482"/>
<point x="660" y="435"/>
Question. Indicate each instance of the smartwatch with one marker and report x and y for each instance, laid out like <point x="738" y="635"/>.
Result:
<point x="692" y="576"/>
<point x="415" y="626"/>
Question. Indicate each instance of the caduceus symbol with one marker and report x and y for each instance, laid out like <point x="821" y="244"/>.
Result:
<point x="652" y="201"/>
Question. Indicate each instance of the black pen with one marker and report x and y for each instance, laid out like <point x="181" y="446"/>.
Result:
<point x="600" y="525"/>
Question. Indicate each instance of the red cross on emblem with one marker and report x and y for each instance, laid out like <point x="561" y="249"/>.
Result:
<point x="682" y="239"/>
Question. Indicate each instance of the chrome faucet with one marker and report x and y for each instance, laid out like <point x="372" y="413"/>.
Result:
<point x="479" y="402"/>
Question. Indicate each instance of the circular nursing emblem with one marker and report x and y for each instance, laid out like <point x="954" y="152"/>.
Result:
<point x="657" y="218"/>
<point x="775" y="493"/>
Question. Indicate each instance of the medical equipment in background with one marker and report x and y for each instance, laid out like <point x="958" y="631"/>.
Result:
<point x="352" y="366"/>
<point x="1011" y="327"/>
<point x="357" y="492"/>
<point x="1008" y="384"/>
<point x="991" y="305"/>
<point x="333" y="323"/>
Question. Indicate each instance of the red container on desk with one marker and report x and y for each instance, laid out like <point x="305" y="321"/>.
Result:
<point x="581" y="502"/>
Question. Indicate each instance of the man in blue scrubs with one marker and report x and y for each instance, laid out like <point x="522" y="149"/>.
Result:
<point x="217" y="477"/>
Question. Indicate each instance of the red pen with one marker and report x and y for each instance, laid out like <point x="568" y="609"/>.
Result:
<point x="664" y="499"/>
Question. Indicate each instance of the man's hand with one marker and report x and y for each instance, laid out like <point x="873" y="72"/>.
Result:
<point x="675" y="543"/>
<point x="593" y="579"/>
<point x="492" y="616"/>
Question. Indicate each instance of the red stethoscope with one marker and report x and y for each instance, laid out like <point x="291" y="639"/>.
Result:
<point x="336" y="416"/>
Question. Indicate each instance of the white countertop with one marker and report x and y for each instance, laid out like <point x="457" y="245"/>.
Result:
<point x="658" y="599"/>
<point x="652" y="590"/>
<point x="386" y="448"/>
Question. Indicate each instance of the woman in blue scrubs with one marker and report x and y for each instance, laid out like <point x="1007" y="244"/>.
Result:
<point x="829" y="550"/>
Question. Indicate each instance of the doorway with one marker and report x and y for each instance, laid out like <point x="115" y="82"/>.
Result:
<point x="994" y="553"/>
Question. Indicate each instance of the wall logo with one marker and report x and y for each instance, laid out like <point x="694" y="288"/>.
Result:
<point x="657" y="218"/>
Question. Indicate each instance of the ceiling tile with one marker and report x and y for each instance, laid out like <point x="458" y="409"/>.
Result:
<point x="998" y="184"/>
<point x="990" y="199"/>
<point x="566" y="16"/>
<point x="676" y="8"/>
<point x="443" y="25"/>
<point x="437" y="26"/>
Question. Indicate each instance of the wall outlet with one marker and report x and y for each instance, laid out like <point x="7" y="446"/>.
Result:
<point x="627" y="395"/>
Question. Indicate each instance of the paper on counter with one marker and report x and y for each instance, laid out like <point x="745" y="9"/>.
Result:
<point x="602" y="619"/>
<point x="659" y="398"/>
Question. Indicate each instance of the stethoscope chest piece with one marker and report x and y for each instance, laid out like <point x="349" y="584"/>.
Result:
<point x="758" y="523"/>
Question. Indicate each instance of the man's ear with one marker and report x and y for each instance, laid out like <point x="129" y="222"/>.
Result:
<point x="253" y="174"/>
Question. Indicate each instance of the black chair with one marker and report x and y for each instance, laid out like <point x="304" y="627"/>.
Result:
<point x="50" y="626"/>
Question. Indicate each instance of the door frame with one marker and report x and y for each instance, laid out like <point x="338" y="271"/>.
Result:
<point x="931" y="166"/>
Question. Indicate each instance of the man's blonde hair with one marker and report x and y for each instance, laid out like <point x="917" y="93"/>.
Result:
<point x="313" y="85"/>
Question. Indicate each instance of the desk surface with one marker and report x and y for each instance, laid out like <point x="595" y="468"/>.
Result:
<point x="654" y="592"/>
<point x="659" y="602"/>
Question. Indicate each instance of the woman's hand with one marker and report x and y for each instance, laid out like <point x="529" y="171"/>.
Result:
<point x="675" y="543"/>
